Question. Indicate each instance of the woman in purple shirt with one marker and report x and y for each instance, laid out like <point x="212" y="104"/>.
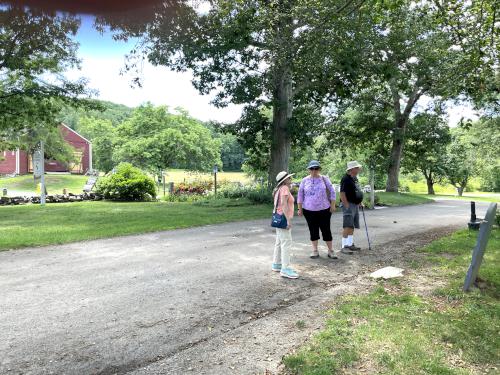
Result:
<point x="316" y="201"/>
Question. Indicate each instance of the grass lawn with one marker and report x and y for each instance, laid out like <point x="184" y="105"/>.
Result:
<point x="420" y="187"/>
<point x="399" y="199"/>
<point x="34" y="225"/>
<point x="395" y="329"/>
<point x="55" y="183"/>
<point x="476" y="196"/>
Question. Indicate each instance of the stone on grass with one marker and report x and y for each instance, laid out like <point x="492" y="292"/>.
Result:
<point x="387" y="273"/>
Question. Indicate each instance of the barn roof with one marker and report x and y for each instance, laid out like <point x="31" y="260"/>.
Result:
<point x="75" y="132"/>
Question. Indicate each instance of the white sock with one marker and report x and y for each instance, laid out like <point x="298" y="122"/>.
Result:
<point x="350" y="240"/>
<point x="344" y="242"/>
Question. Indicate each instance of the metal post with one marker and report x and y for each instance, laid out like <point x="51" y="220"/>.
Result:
<point x="216" y="169"/>
<point x="473" y="223"/>
<point x="215" y="182"/>
<point x="372" y="188"/>
<point x="42" y="177"/>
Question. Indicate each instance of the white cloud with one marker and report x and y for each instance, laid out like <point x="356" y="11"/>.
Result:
<point x="160" y="87"/>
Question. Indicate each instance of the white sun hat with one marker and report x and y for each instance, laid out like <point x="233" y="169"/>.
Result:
<point x="352" y="165"/>
<point x="282" y="176"/>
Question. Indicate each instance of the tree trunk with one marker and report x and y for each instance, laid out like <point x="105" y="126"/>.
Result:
<point x="282" y="113"/>
<point x="399" y="132"/>
<point x="460" y="190"/>
<point x="395" y="157"/>
<point x="430" y="186"/>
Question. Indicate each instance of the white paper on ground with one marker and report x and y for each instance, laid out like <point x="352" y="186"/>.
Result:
<point x="387" y="273"/>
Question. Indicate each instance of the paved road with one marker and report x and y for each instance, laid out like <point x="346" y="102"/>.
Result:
<point x="118" y="305"/>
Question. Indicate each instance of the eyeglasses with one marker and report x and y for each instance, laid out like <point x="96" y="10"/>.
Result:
<point x="315" y="168"/>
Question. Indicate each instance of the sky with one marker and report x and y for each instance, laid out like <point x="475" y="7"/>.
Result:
<point x="104" y="58"/>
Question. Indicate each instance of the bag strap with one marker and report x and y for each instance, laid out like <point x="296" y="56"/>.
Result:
<point x="276" y="202"/>
<point x="328" y="194"/>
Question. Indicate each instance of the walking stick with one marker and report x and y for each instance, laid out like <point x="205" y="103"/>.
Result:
<point x="366" y="228"/>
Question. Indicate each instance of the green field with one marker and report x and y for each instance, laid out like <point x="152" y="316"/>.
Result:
<point x="34" y="225"/>
<point x="420" y="186"/>
<point x="74" y="183"/>
<point x="55" y="183"/>
<point x="398" y="328"/>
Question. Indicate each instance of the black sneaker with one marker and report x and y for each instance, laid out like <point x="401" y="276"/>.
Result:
<point x="354" y="247"/>
<point x="346" y="250"/>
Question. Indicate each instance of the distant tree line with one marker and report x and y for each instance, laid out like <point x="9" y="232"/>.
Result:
<point x="153" y="138"/>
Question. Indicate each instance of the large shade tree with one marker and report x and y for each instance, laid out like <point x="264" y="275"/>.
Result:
<point x="36" y="47"/>
<point x="474" y="27"/>
<point x="414" y="55"/>
<point x="155" y="139"/>
<point x="461" y="161"/>
<point x="277" y="54"/>
<point x="428" y="139"/>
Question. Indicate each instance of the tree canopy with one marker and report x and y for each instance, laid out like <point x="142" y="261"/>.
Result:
<point x="36" y="48"/>
<point x="154" y="139"/>
<point x="279" y="54"/>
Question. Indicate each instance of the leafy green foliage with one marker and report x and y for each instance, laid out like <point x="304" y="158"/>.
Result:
<point x="285" y="56"/>
<point x="155" y="139"/>
<point x="412" y="54"/>
<point x="37" y="48"/>
<point x="425" y="149"/>
<point x="127" y="183"/>
<point x="113" y="112"/>
<point x="474" y="29"/>
<point x="102" y="133"/>
<point x="55" y="146"/>
<point x="461" y="161"/>
<point x="257" y="195"/>
<point x="484" y="135"/>
<point x="232" y="153"/>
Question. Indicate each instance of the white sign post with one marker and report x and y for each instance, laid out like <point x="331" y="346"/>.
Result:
<point x="39" y="170"/>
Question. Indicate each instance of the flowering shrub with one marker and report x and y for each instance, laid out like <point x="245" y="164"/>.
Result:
<point x="194" y="188"/>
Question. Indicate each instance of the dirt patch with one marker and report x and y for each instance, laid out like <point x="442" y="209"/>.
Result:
<point x="258" y="345"/>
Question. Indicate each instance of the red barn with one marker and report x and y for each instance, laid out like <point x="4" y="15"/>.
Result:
<point x="19" y="162"/>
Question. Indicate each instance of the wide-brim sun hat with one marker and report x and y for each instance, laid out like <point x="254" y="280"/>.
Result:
<point x="314" y="164"/>
<point x="353" y="164"/>
<point x="282" y="176"/>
